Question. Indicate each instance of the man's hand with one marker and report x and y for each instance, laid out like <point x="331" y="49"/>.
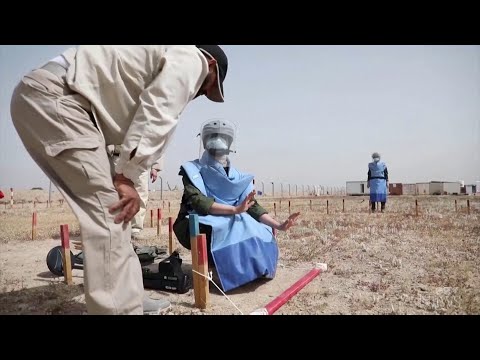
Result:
<point x="129" y="200"/>
<point x="246" y="204"/>
<point x="291" y="221"/>
<point x="153" y="175"/>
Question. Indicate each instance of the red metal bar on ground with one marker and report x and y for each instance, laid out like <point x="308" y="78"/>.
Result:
<point x="279" y="301"/>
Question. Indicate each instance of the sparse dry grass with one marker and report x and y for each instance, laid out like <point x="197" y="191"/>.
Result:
<point x="390" y="263"/>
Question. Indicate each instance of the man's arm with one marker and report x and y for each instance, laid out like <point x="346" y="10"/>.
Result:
<point x="194" y="198"/>
<point x="204" y="205"/>
<point x="256" y="211"/>
<point x="182" y="73"/>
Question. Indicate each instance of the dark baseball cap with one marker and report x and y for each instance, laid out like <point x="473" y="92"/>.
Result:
<point x="215" y="52"/>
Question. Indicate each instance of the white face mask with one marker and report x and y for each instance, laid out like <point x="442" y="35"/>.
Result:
<point x="376" y="159"/>
<point x="216" y="143"/>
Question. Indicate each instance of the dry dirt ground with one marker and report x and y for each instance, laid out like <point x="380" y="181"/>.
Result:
<point x="390" y="263"/>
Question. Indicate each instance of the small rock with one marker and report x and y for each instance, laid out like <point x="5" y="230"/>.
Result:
<point x="422" y="287"/>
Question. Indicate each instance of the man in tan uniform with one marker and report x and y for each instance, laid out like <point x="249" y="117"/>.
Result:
<point x="67" y="112"/>
<point x="142" y="189"/>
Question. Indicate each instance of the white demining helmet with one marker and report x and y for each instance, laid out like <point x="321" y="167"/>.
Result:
<point x="218" y="137"/>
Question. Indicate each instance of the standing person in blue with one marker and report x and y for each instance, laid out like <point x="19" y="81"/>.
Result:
<point x="377" y="182"/>
<point x="240" y="242"/>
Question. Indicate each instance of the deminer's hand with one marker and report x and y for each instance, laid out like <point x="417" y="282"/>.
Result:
<point x="129" y="199"/>
<point x="291" y="221"/>
<point x="153" y="175"/>
<point x="246" y="204"/>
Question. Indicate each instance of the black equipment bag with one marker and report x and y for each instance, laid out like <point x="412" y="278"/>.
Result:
<point x="170" y="276"/>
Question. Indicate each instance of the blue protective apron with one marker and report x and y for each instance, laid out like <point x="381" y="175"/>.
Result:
<point x="243" y="249"/>
<point x="378" y="183"/>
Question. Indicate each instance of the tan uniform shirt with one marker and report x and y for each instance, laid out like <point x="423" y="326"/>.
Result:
<point x="137" y="94"/>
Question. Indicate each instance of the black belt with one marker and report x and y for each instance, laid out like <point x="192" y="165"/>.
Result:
<point x="55" y="68"/>
<point x="377" y="177"/>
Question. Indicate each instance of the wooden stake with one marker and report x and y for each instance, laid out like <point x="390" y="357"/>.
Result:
<point x="34" y="225"/>
<point x="327" y="207"/>
<point x="343" y="205"/>
<point x="194" y="232"/>
<point x="151" y="218"/>
<point x="204" y="293"/>
<point x="416" y="207"/>
<point x="310" y="204"/>
<point x="169" y="207"/>
<point x="67" y="261"/>
<point x="468" y="206"/>
<point x="275" y="208"/>
<point x="455" y="205"/>
<point x="289" y="211"/>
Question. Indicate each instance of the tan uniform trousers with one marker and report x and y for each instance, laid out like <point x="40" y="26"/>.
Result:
<point x="58" y="130"/>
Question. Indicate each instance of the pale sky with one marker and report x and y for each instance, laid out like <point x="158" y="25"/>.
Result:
<point x="312" y="114"/>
